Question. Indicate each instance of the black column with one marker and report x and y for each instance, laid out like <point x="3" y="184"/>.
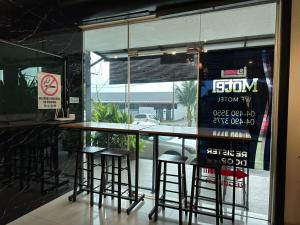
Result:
<point x="285" y="34"/>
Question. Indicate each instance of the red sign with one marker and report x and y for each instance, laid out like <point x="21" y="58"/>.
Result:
<point x="229" y="173"/>
<point x="49" y="85"/>
<point x="234" y="73"/>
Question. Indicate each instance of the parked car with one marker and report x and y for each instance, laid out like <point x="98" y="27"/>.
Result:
<point x="168" y="145"/>
<point x="144" y="117"/>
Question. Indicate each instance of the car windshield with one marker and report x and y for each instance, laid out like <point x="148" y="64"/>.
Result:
<point x="165" y="138"/>
<point x="140" y="116"/>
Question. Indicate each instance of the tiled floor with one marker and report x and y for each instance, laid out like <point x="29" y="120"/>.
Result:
<point x="62" y="212"/>
<point x="259" y="182"/>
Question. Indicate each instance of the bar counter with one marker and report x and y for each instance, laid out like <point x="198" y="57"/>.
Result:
<point x="202" y="133"/>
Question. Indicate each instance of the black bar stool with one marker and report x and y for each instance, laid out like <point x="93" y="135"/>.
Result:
<point x="87" y="185"/>
<point x="107" y="188"/>
<point x="36" y="161"/>
<point x="24" y="144"/>
<point x="182" y="192"/>
<point x="4" y="159"/>
<point x="45" y="157"/>
<point x="216" y="165"/>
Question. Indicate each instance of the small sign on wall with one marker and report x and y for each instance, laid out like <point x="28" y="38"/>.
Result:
<point x="74" y="100"/>
<point x="49" y="91"/>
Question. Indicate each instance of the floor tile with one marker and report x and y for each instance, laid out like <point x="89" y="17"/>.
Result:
<point x="62" y="212"/>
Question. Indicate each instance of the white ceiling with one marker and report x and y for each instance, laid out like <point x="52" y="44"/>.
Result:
<point x="233" y="23"/>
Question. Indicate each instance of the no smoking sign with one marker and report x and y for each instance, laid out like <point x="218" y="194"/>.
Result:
<point x="49" y="85"/>
<point x="49" y="91"/>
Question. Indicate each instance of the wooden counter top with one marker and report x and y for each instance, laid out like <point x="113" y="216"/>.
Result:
<point x="163" y="130"/>
<point x="95" y="126"/>
<point x="196" y="132"/>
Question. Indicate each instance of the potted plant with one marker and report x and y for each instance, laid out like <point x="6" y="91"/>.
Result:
<point x="111" y="113"/>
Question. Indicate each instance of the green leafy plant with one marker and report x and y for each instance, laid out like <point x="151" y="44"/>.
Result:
<point x="111" y="113"/>
<point x="187" y="96"/>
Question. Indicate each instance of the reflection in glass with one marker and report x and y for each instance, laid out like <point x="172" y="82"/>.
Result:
<point x="19" y="67"/>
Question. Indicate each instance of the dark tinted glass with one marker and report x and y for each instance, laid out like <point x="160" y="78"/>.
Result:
<point x="19" y="67"/>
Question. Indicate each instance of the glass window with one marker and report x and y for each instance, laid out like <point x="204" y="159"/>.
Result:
<point x="1" y="75"/>
<point x="210" y="69"/>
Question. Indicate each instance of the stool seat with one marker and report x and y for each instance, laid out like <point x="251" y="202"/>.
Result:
<point x="92" y="150"/>
<point x="207" y="163"/>
<point x="172" y="158"/>
<point x="115" y="152"/>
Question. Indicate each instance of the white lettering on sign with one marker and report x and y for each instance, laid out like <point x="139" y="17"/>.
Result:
<point x="226" y="152"/>
<point x="231" y="134"/>
<point x="227" y="156"/>
<point x="234" y="85"/>
<point x="228" y="183"/>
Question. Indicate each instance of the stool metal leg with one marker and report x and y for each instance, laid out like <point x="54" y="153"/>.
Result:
<point x="184" y="188"/>
<point x="80" y="172"/>
<point x="102" y="182"/>
<point x="164" y="185"/>
<point x="76" y="177"/>
<point x="29" y="166"/>
<point x="92" y="180"/>
<point x="42" y="170"/>
<point x="88" y="172"/>
<point x="197" y="189"/>
<point x="119" y="184"/>
<point x="158" y="171"/>
<point x="129" y="177"/>
<point x="15" y="163"/>
<point x="22" y="168"/>
<point x="217" y="197"/>
<point x="179" y="193"/>
<point x="112" y="176"/>
<point x="220" y="196"/>
<point x="192" y="195"/>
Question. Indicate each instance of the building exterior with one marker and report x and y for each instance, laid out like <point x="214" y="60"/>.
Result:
<point x="163" y="105"/>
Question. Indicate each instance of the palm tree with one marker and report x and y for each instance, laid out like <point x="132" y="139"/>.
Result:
<point x="186" y="95"/>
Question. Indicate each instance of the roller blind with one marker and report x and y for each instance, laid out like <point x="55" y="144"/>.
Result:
<point x="152" y="69"/>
